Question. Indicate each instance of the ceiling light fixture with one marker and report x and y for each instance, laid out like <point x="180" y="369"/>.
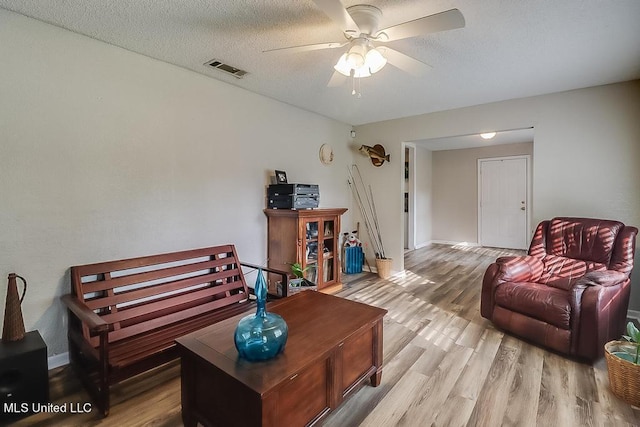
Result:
<point x="361" y="60"/>
<point x="487" y="135"/>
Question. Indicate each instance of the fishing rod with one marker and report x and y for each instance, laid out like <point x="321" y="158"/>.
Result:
<point x="356" y="193"/>
<point x="376" y="223"/>
<point x="370" y="217"/>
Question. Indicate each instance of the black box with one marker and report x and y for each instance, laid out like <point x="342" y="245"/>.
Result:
<point x="24" y="376"/>
<point x="293" y="196"/>
<point x="293" y="202"/>
<point x="290" y="189"/>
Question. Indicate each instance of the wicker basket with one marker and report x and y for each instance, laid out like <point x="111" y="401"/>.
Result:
<point x="624" y="376"/>
<point x="383" y="265"/>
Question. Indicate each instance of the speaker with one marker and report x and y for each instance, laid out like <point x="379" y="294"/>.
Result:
<point x="24" y="377"/>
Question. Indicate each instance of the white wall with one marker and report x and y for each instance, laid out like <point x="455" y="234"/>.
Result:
<point x="586" y="151"/>
<point x="424" y="196"/>
<point x="107" y="154"/>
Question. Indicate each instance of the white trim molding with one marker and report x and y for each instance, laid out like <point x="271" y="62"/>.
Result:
<point x="450" y="242"/>
<point x="634" y="314"/>
<point x="58" y="360"/>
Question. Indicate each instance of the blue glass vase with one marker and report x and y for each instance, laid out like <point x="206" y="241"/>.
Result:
<point x="263" y="335"/>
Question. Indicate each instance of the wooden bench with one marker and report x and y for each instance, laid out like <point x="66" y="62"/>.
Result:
<point x="125" y="315"/>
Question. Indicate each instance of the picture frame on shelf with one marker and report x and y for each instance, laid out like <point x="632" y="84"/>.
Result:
<point x="281" y="177"/>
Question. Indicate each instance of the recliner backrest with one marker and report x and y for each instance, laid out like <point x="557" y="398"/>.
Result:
<point x="598" y="241"/>
<point x="583" y="238"/>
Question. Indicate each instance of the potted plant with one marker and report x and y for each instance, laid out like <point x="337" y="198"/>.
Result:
<point x="623" y="364"/>
<point x="300" y="281"/>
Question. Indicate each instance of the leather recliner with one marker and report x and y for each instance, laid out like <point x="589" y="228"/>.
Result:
<point x="571" y="292"/>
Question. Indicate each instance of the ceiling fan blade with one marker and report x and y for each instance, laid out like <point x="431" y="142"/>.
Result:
<point x="443" y="21"/>
<point x="306" y="47"/>
<point x="337" y="79"/>
<point x="336" y="11"/>
<point x="404" y="62"/>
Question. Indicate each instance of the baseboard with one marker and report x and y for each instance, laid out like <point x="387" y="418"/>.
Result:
<point x="450" y="242"/>
<point x="634" y="314"/>
<point x="58" y="360"/>
<point x="443" y="242"/>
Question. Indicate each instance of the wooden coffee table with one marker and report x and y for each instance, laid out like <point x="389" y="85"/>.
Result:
<point x="334" y="344"/>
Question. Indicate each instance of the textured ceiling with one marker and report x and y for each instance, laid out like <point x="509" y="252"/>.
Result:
<point x="508" y="48"/>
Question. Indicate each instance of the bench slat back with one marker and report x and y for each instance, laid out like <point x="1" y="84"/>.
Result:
<point x="141" y="294"/>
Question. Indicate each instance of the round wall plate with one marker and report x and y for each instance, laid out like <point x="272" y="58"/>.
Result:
<point x="326" y="154"/>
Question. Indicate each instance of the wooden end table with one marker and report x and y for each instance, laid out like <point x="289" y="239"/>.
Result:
<point x="334" y="344"/>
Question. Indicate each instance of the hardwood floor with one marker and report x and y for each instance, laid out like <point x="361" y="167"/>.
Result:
<point x="444" y="364"/>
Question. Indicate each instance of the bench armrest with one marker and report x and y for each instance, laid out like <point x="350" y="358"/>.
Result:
<point x="284" y="274"/>
<point x="85" y="314"/>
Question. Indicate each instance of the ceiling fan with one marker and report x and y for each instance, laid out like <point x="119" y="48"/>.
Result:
<point x="360" y="24"/>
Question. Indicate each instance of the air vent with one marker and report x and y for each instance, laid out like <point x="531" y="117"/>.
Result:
<point x="235" y="72"/>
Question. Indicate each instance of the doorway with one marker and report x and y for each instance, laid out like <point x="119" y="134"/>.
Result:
<point x="408" y="186"/>
<point x="504" y="202"/>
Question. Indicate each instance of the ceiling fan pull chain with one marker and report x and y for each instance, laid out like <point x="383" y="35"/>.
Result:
<point x="355" y="92"/>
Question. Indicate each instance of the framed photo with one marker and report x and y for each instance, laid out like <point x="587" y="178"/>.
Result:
<point x="281" y="177"/>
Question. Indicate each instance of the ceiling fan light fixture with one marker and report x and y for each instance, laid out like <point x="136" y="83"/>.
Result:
<point x="361" y="72"/>
<point x="487" y="135"/>
<point x="342" y="66"/>
<point x="374" y="60"/>
<point x="353" y="63"/>
<point x="356" y="56"/>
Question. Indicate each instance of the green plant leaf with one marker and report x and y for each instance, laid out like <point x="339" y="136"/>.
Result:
<point x="298" y="271"/>
<point x="633" y="332"/>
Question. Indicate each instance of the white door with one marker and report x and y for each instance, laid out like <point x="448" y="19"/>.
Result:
<point x="503" y="202"/>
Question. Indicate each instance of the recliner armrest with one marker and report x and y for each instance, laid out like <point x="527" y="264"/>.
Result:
<point x="507" y="269"/>
<point x="519" y="268"/>
<point x="602" y="278"/>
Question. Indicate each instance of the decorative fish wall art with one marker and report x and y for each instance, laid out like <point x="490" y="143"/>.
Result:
<point x="375" y="153"/>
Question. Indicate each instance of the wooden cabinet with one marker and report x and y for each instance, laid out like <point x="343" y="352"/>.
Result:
<point x="303" y="398"/>
<point x="334" y="345"/>
<point x="309" y="237"/>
